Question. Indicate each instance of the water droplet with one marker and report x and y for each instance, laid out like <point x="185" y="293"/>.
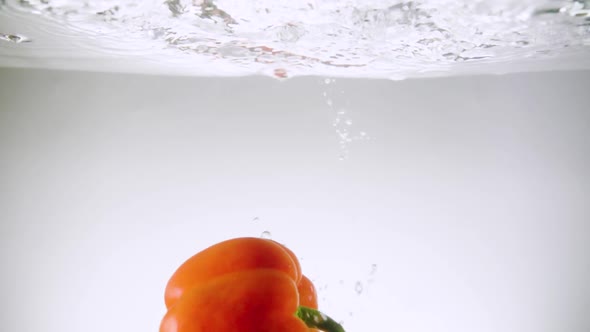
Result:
<point x="265" y="235"/>
<point x="348" y="122"/>
<point x="363" y="134"/>
<point x="329" y="102"/>
<point x="255" y="219"/>
<point x="358" y="287"/>
<point x="327" y="81"/>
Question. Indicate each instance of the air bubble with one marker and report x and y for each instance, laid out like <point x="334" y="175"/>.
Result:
<point x="373" y="268"/>
<point x="358" y="287"/>
<point x="265" y="235"/>
<point x="14" y="38"/>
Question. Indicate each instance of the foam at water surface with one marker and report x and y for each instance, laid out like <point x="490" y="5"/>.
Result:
<point x="352" y="38"/>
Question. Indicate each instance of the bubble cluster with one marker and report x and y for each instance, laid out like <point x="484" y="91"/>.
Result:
<point x="342" y="122"/>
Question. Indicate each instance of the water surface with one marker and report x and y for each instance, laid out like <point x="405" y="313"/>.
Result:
<point x="346" y="38"/>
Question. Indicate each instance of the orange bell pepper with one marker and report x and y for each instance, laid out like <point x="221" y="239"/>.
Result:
<point x="243" y="285"/>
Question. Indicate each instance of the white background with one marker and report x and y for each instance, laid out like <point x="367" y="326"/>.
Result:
<point x="466" y="210"/>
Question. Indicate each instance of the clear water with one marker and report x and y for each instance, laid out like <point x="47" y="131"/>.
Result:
<point x="345" y="38"/>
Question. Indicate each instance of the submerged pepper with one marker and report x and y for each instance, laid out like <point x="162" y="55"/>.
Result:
<point x="243" y="285"/>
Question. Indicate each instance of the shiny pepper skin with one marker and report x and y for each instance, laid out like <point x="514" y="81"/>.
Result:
<point x="243" y="285"/>
<point x="258" y="300"/>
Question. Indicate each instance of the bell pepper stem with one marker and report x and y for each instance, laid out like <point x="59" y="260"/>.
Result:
<point x="315" y="319"/>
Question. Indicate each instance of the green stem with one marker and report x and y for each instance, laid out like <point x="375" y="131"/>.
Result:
<point x="315" y="319"/>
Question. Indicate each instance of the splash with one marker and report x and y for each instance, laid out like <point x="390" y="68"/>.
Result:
<point x="282" y="39"/>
